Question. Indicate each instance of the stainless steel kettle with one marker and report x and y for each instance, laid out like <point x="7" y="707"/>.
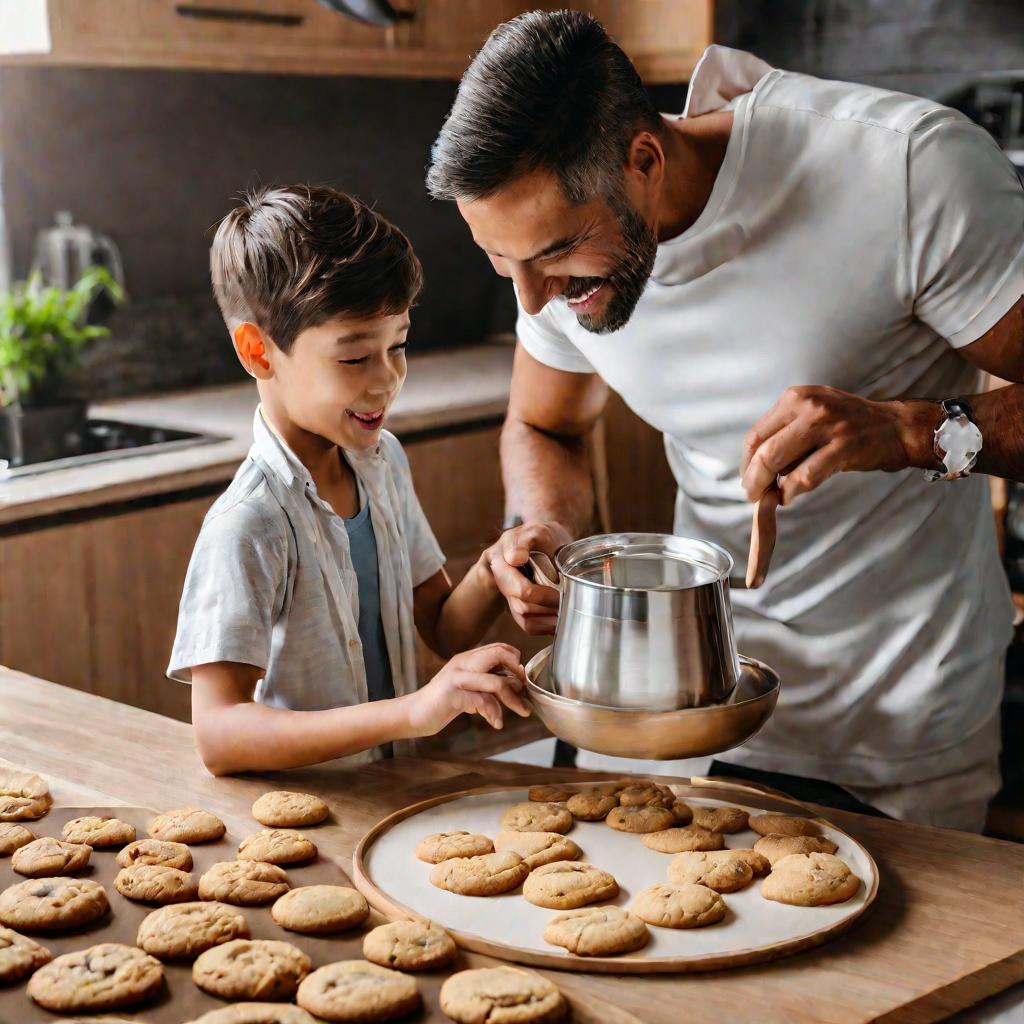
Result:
<point x="64" y="252"/>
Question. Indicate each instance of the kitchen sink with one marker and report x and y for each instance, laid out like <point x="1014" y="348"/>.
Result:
<point x="103" y="440"/>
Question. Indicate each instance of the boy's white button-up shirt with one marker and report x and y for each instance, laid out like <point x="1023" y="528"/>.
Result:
<point x="271" y="581"/>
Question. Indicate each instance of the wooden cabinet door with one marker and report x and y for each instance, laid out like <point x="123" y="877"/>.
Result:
<point x="663" y="37"/>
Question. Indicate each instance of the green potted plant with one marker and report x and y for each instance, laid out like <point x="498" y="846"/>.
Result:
<point x="42" y="332"/>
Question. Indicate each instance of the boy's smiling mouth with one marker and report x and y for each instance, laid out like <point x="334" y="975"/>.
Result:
<point x="368" y="420"/>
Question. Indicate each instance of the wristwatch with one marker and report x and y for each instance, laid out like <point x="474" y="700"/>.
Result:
<point x="957" y="441"/>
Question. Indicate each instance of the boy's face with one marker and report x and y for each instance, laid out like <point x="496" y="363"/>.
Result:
<point x="340" y="378"/>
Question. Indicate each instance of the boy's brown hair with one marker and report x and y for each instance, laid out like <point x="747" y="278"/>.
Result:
<point x="291" y="258"/>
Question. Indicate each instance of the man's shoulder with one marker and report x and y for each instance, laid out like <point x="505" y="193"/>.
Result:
<point x="868" y="106"/>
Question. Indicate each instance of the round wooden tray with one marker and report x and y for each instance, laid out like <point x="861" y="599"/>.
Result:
<point x="387" y="872"/>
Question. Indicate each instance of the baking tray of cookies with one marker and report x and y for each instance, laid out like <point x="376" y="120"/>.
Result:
<point x="179" y="999"/>
<point x="753" y="929"/>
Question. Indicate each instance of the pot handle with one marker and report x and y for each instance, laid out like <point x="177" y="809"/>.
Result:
<point x="541" y="569"/>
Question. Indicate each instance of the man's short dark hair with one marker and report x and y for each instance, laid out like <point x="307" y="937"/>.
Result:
<point x="548" y="91"/>
<point x="291" y="258"/>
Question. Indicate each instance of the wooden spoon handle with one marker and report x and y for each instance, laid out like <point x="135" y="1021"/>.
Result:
<point x="762" y="537"/>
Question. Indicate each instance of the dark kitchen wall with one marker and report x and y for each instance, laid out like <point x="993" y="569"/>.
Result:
<point x="153" y="158"/>
<point x="926" y="47"/>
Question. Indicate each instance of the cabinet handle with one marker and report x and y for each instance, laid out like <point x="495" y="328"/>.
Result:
<point x="236" y="14"/>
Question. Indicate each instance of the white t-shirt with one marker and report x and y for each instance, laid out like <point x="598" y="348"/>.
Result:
<point x="855" y="238"/>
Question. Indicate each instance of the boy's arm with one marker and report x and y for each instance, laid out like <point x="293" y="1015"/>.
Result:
<point x="236" y="734"/>
<point x="227" y="721"/>
<point x="452" y="619"/>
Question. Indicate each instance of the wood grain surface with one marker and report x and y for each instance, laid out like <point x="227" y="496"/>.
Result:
<point x="946" y="931"/>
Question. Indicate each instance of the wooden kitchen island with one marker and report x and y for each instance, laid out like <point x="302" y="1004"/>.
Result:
<point x="946" y="931"/>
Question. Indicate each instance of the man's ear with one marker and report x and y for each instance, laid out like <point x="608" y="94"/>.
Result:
<point x="645" y="163"/>
<point x="252" y="349"/>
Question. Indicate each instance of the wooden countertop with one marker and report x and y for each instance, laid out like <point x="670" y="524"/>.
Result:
<point x="443" y="389"/>
<point x="946" y="931"/>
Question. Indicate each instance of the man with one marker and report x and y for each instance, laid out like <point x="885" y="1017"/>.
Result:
<point x="786" y="280"/>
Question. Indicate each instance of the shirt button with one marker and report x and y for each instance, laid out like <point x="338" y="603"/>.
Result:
<point x="353" y="643"/>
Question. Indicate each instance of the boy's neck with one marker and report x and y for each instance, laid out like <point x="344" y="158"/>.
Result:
<point x="334" y="478"/>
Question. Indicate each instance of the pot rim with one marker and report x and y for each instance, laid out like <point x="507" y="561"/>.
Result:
<point x="619" y="541"/>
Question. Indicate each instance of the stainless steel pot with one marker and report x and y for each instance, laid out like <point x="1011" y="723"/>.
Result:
<point x="644" y="622"/>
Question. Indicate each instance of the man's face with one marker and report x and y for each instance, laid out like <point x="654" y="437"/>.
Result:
<point x="340" y="378"/>
<point x="596" y="257"/>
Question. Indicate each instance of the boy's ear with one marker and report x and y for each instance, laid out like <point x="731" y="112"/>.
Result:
<point x="252" y="350"/>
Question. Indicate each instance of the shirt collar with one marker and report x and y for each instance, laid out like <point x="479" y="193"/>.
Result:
<point x="720" y="76"/>
<point x="288" y="466"/>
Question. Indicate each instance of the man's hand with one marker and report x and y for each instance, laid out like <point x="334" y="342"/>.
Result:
<point x="812" y="433"/>
<point x="474" y="682"/>
<point x="533" y="606"/>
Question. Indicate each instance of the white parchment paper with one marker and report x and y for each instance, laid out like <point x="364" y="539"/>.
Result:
<point x="752" y="922"/>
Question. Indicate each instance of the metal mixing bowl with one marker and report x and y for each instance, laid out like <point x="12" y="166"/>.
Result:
<point x="653" y="734"/>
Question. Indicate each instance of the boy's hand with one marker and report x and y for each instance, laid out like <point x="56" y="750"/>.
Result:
<point x="470" y="683"/>
<point x="533" y="606"/>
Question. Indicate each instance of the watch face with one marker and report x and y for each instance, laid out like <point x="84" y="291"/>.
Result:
<point x="960" y="441"/>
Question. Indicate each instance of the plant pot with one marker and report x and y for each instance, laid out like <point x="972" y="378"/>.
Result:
<point x="30" y="434"/>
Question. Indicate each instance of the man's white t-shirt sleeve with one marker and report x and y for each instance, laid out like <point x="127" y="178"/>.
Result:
<point x="965" y="228"/>
<point x="547" y="343"/>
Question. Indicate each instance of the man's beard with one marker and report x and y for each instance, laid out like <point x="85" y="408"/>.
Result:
<point x="627" y="278"/>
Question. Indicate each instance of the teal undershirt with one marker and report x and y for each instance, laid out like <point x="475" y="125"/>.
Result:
<point x="363" y="548"/>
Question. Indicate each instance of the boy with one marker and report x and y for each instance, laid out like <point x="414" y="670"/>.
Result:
<point x="313" y="570"/>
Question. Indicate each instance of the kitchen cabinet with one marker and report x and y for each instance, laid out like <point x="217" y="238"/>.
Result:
<point x="664" y="38"/>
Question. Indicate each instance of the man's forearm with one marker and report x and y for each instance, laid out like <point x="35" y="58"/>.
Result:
<point x="547" y="477"/>
<point x="1000" y="417"/>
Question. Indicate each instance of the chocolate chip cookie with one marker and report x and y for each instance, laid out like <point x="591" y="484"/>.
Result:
<point x="597" y="931"/>
<point x="566" y="885"/>
<point x="109" y="976"/>
<point x="13" y="836"/>
<point x="52" y="904"/>
<point x="759" y="864"/>
<point x="354" y="990"/>
<point x="24" y="796"/>
<point x="187" y="825"/>
<point x="720" y="819"/>
<point x="43" y="858"/>
<point x="156" y="851"/>
<point x="640" y="819"/>
<point x="537" y="817"/>
<point x="591" y="805"/>
<point x="810" y="880"/>
<point x="783" y="825"/>
<point x="277" y="846"/>
<point x="184" y="930"/>
<point x="98" y="831"/>
<point x="550" y="794"/>
<point x="245" y="883"/>
<point x="19" y="956"/>
<point x="155" y="883"/>
<point x="257" y="1013"/>
<point x="251" y="969"/>
<point x="774" y="847"/>
<point x="679" y="906"/>
<point x="410" y="946"/>
<point x="689" y="837"/>
<point x="537" y="848"/>
<point x="320" y="909"/>
<point x="715" y="869"/>
<point x="488" y="875"/>
<point x="646" y="794"/>
<point x="502" y="995"/>
<point x="285" y="809"/>
<point x="445" y="845"/>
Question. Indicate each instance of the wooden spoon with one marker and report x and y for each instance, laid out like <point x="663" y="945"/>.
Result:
<point x="762" y="537"/>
